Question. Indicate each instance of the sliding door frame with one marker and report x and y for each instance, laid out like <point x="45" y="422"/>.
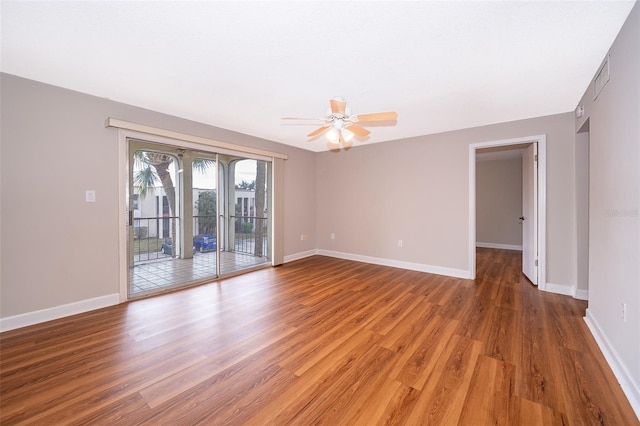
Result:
<point x="125" y="134"/>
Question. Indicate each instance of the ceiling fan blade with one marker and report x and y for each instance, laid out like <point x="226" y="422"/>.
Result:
<point x="378" y="116"/>
<point x="318" y="131"/>
<point x="338" y="106"/>
<point x="358" y="130"/>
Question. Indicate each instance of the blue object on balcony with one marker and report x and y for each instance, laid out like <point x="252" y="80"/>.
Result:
<point x="167" y="247"/>
<point x="204" y="242"/>
<point x="201" y="243"/>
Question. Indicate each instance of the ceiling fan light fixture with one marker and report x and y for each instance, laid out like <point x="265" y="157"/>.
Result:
<point x="333" y="135"/>
<point x="346" y="134"/>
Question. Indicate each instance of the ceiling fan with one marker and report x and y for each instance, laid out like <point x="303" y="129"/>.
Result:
<point x="341" y="125"/>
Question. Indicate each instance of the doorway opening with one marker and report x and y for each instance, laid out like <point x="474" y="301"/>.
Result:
<point x="582" y="211"/>
<point x="535" y="252"/>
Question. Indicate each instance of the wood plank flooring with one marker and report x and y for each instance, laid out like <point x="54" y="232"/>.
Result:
<point x="320" y="341"/>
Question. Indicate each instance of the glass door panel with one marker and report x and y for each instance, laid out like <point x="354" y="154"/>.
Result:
<point x="247" y="243"/>
<point x="205" y="216"/>
<point x="155" y="223"/>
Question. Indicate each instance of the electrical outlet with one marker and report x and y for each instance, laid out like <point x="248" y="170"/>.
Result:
<point x="303" y="237"/>
<point x="90" y="196"/>
<point x="333" y="236"/>
<point x="623" y="311"/>
<point x="399" y="243"/>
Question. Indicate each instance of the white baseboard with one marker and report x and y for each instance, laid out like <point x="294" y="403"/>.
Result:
<point x="36" y="317"/>
<point x="558" y="289"/>
<point x="566" y="290"/>
<point x="630" y="388"/>
<point x="581" y="294"/>
<point x="440" y="270"/>
<point x="301" y="255"/>
<point x="499" y="246"/>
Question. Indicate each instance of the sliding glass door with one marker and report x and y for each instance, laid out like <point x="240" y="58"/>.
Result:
<point x="194" y="216"/>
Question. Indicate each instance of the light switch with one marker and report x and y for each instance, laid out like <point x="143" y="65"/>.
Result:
<point x="90" y="196"/>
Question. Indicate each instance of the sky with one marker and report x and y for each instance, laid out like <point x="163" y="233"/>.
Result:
<point x="245" y="170"/>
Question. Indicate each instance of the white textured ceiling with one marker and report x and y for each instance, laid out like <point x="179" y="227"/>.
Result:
<point x="243" y="65"/>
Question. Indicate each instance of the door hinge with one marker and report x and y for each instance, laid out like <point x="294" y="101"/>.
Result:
<point x="535" y="157"/>
<point x="536" y="262"/>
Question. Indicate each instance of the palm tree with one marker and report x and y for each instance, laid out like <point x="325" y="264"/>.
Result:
<point x="151" y="167"/>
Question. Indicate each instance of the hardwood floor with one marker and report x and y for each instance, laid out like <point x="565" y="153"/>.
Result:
<point x="320" y="340"/>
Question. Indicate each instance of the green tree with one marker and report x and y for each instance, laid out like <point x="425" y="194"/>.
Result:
<point x="247" y="186"/>
<point x="206" y="205"/>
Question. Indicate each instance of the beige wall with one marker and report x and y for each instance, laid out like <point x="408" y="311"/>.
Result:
<point x="370" y="196"/>
<point x="417" y="190"/>
<point x="57" y="249"/>
<point x="499" y="202"/>
<point x="614" y="204"/>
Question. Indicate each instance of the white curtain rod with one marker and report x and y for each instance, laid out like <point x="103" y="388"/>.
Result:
<point x="127" y="125"/>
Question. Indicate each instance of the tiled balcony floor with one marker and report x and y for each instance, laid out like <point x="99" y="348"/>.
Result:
<point x="156" y="274"/>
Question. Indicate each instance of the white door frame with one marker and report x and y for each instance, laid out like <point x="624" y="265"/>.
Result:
<point x="529" y="218"/>
<point x="542" y="201"/>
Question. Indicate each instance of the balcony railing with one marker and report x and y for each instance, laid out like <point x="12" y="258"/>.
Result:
<point x="250" y="235"/>
<point x="154" y="237"/>
<point x="150" y="235"/>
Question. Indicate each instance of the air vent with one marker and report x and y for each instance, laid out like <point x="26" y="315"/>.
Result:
<point x="601" y="78"/>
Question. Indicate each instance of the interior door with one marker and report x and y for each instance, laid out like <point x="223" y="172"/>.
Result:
<point x="530" y="213"/>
